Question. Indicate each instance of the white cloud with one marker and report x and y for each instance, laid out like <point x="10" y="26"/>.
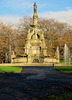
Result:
<point x="62" y="16"/>
<point x="8" y="20"/>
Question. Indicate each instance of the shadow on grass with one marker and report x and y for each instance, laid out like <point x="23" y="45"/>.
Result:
<point x="67" y="69"/>
<point x="56" y="97"/>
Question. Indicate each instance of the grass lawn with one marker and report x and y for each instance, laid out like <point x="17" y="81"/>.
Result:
<point x="67" y="69"/>
<point x="71" y="61"/>
<point x="53" y="97"/>
<point x="10" y="69"/>
<point x="61" y="61"/>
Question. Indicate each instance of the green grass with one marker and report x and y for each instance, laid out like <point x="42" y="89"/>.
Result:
<point x="71" y="61"/>
<point x="67" y="69"/>
<point x="10" y="69"/>
<point x="54" y="97"/>
<point x="61" y="61"/>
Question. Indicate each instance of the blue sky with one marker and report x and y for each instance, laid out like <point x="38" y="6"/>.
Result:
<point x="25" y="7"/>
<point x="45" y="8"/>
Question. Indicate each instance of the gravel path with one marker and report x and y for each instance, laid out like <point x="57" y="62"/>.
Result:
<point x="34" y="82"/>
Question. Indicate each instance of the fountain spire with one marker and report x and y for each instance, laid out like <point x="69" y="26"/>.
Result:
<point x="35" y="8"/>
<point x="35" y="16"/>
<point x="35" y="25"/>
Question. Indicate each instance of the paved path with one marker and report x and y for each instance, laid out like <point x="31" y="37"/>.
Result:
<point x="34" y="82"/>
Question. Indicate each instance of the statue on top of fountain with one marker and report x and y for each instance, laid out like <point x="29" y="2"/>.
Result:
<point x="35" y="7"/>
